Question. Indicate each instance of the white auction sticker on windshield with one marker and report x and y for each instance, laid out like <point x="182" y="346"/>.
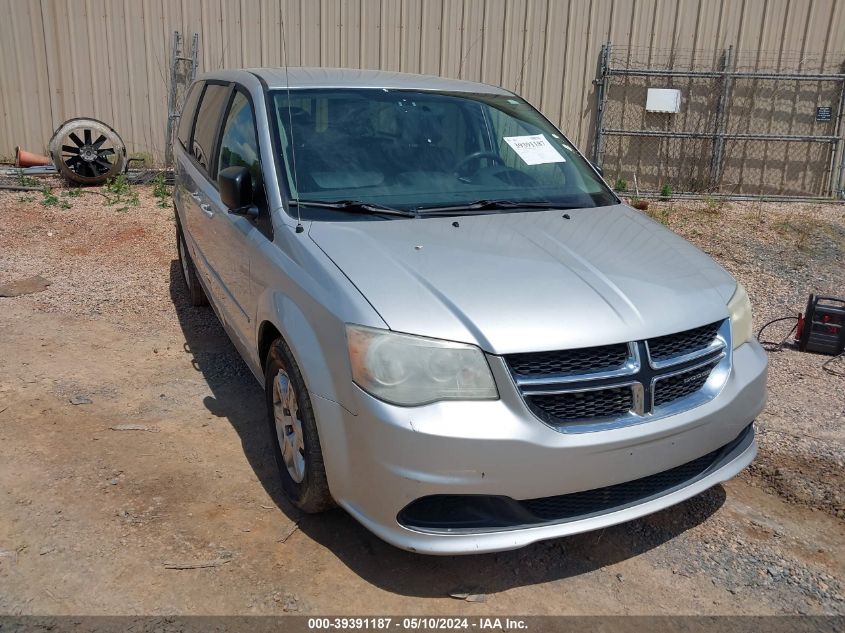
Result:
<point x="534" y="150"/>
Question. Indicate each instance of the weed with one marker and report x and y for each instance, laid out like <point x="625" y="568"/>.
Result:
<point x="119" y="193"/>
<point x="809" y="229"/>
<point x="118" y="186"/>
<point x="161" y="191"/>
<point x="621" y="185"/>
<point x="50" y="199"/>
<point x="26" y="198"/>
<point x="755" y="213"/>
<point x="666" y="192"/>
<point x="803" y="230"/>
<point x="782" y="226"/>
<point x="26" y="181"/>
<point x="714" y="205"/>
<point x="74" y="192"/>
<point x="661" y="215"/>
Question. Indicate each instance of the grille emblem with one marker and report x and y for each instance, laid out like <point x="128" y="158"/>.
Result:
<point x="639" y="398"/>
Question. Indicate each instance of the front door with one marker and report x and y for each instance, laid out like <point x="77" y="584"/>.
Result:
<point x="237" y="234"/>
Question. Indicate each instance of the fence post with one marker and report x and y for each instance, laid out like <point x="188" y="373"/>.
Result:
<point x="601" y="82"/>
<point x="719" y="127"/>
<point x="195" y="41"/>
<point x="171" y="100"/>
<point x="837" y="185"/>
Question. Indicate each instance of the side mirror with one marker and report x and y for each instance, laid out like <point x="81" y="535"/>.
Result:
<point x="235" y="184"/>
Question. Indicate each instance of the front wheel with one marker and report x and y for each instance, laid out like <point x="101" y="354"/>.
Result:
<point x="293" y="432"/>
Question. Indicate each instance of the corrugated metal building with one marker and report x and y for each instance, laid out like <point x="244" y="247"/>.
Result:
<point x="110" y="58"/>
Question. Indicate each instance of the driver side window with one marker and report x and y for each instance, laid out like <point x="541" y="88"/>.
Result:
<point x="239" y="146"/>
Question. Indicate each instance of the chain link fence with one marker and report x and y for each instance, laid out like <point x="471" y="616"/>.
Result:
<point x="743" y="125"/>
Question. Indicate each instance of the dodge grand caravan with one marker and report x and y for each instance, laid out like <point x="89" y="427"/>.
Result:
<point x="466" y="340"/>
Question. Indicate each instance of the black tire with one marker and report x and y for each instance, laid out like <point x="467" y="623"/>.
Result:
<point x="196" y="294"/>
<point x="311" y="494"/>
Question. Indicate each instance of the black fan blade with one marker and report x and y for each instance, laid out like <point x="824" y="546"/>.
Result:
<point x="73" y="137"/>
<point x="70" y="149"/>
<point x="103" y="165"/>
<point x="87" y="137"/>
<point x="99" y="141"/>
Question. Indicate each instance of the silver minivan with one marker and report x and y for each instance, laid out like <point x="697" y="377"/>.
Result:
<point x="466" y="340"/>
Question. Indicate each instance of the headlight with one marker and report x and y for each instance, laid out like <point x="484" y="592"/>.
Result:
<point x="739" y="307"/>
<point x="413" y="370"/>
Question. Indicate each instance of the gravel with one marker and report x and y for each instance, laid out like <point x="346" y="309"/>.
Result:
<point x="781" y="253"/>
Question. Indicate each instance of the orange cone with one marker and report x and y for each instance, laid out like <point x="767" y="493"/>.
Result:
<point x="28" y="159"/>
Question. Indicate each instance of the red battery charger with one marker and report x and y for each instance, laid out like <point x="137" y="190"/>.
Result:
<point x="821" y="328"/>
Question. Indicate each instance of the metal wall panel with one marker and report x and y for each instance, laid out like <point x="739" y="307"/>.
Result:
<point x="109" y="58"/>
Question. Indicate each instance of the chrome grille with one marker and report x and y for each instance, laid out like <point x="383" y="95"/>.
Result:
<point x="602" y="387"/>
<point x="575" y="361"/>
<point x="681" y="385"/>
<point x="582" y="405"/>
<point x="665" y="347"/>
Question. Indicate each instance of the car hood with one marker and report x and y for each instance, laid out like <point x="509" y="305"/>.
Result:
<point x="530" y="281"/>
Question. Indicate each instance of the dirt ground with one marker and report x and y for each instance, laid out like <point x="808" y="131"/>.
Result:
<point x="132" y="440"/>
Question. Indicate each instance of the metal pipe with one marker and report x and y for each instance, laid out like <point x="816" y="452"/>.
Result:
<point x="171" y="99"/>
<point x="194" y="55"/>
<point x="719" y="128"/>
<point x="837" y="187"/>
<point x="715" y="74"/>
<point x="601" y="82"/>
<point x="740" y="197"/>
<point x="723" y="135"/>
<point x="20" y="188"/>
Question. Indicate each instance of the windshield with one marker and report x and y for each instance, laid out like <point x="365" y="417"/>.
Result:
<point x="417" y="150"/>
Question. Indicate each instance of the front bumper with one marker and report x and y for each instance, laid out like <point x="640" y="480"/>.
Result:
<point x="386" y="457"/>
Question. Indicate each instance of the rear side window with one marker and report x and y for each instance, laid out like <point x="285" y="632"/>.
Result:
<point x="239" y="146"/>
<point x="208" y="118"/>
<point x="186" y="119"/>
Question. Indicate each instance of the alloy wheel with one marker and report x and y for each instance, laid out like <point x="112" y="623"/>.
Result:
<point x="288" y="426"/>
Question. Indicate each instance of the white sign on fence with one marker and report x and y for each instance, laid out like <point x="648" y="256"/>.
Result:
<point x="663" y="100"/>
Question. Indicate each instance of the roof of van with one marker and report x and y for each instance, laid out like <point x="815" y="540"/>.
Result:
<point x="304" y="77"/>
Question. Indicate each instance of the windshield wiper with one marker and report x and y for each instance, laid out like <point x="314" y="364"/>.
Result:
<point x="354" y="206"/>
<point x="492" y="205"/>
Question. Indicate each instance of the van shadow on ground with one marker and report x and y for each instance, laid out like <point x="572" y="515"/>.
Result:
<point x="239" y="398"/>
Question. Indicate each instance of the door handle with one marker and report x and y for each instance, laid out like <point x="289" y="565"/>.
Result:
<point x="206" y="208"/>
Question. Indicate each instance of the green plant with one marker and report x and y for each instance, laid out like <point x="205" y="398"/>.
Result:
<point x="666" y="191"/>
<point x="119" y="193"/>
<point x="26" y="181"/>
<point x="26" y="198"/>
<point x="74" y="192"/>
<point x="161" y="191"/>
<point x="50" y="199"/>
<point x="621" y="185"/>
